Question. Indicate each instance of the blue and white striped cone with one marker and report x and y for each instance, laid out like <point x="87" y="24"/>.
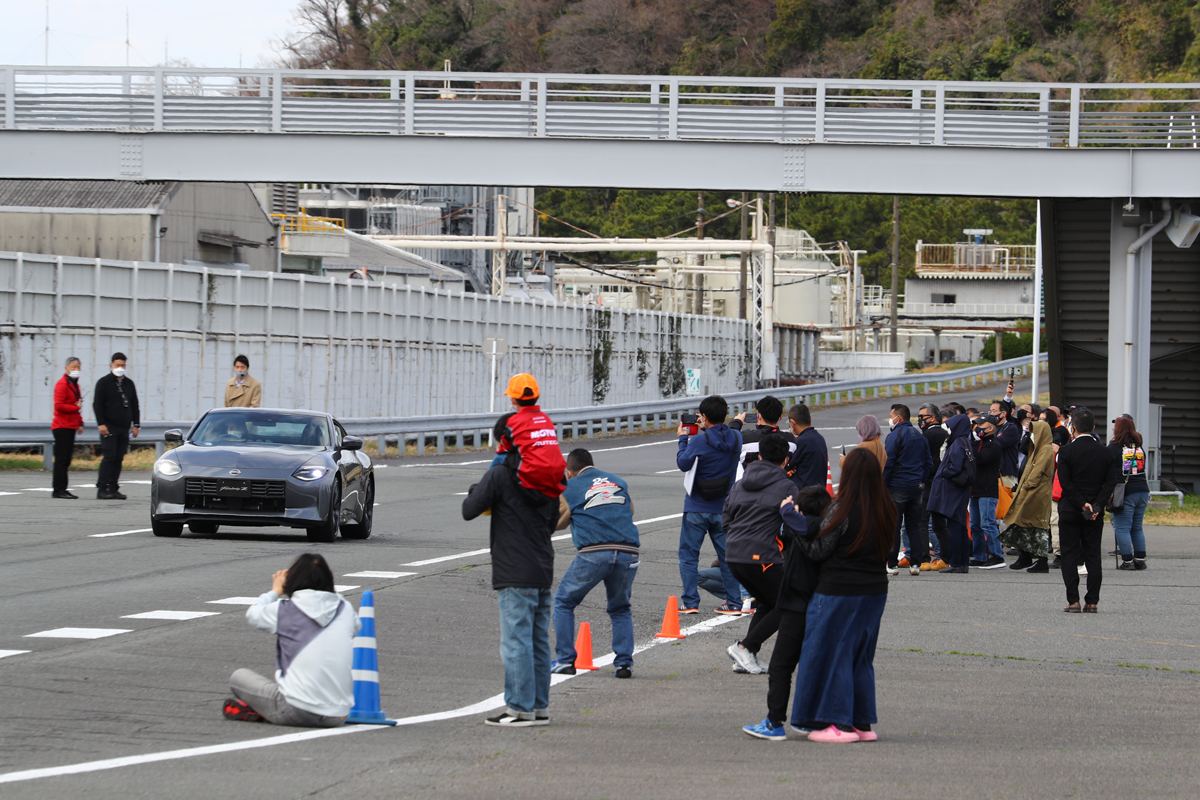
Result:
<point x="366" y="669"/>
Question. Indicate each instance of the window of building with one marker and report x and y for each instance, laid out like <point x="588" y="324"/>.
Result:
<point x="945" y="299"/>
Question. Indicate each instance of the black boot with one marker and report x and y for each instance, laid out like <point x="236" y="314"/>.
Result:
<point x="116" y="492"/>
<point x="1024" y="560"/>
<point x="1040" y="566"/>
<point x="103" y="492"/>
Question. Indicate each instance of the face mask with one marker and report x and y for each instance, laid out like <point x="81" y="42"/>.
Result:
<point x="118" y="371"/>
<point x="892" y="424"/>
<point x="240" y="374"/>
<point x="74" y="374"/>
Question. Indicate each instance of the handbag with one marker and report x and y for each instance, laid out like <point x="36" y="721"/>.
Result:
<point x="1117" y="501"/>
<point x="1004" y="498"/>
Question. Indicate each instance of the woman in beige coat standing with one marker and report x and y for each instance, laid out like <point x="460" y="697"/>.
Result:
<point x="1028" y="518"/>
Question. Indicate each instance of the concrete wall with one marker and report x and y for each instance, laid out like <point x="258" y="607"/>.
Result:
<point x="334" y="344"/>
<point x="222" y="208"/>
<point x="973" y="291"/>
<point x="116" y="236"/>
<point x="848" y="366"/>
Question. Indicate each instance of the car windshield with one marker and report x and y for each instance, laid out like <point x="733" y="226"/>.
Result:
<point x="296" y="430"/>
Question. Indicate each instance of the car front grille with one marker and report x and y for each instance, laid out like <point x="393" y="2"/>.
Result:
<point x="213" y="486"/>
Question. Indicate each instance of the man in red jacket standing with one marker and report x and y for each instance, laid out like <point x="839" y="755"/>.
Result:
<point x="68" y="420"/>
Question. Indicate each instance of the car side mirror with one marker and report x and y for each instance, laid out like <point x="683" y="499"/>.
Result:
<point x="173" y="436"/>
<point x="352" y="443"/>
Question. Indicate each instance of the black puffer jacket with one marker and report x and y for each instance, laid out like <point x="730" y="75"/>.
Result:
<point x="523" y="521"/>
<point x="751" y="516"/>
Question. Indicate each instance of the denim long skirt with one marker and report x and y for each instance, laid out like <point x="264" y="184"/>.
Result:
<point x="835" y="680"/>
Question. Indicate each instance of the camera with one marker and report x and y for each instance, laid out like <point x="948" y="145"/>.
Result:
<point x="751" y="417"/>
<point x="1012" y="374"/>
<point x="691" y="422"/>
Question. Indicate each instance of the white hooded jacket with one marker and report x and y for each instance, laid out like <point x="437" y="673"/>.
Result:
<point x="314" y="650"/>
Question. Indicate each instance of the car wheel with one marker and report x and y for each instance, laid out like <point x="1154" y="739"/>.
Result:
<point x="327" y="531"/>
<point x="166" y="528"/>
<point x="362" y="528"/>
<point x="203" y="527"/>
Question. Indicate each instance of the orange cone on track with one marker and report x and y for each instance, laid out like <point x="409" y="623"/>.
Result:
<point x="829" y="478"/>
<point x="583" y="647"/>
<point x="670" y="626"/>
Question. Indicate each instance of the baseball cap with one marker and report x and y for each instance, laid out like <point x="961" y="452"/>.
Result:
<point x="986" y="418"/>
<point x="522" y="387"/>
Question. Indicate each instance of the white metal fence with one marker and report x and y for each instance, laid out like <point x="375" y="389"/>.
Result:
<point x="356" y="350"/>
<point x="602" y="106"/>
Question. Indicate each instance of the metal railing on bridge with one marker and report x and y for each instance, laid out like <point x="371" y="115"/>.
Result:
<point x="601" y="106"/>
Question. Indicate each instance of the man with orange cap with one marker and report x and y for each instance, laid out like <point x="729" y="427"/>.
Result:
<point x="532" y="433"/>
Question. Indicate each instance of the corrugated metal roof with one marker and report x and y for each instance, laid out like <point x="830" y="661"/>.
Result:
<point x="375" y="255"/>
<point x="82" y="194"/>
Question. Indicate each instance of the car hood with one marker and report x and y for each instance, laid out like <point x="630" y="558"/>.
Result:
<point x="246" y="457"/>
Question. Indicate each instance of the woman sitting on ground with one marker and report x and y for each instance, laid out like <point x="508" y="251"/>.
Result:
<point x="313" y="686"/>
<point x="835" y="687"/>
<point x="868" y="438"/>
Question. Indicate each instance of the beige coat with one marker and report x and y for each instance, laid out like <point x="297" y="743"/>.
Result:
<point x="875" y="448"/>
<point x="1031" y="504"/>
<point x="248" y="395"/>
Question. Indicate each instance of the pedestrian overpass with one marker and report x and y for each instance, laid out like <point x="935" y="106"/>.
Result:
<point x="1105" y="156"/>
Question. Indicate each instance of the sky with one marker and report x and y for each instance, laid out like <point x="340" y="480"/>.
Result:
<point x="212" y="33"/>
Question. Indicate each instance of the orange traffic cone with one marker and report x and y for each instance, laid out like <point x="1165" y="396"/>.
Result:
<point x="583" y="647"/>
<point x="828" y="477"/>
<point x="670" y="626"/>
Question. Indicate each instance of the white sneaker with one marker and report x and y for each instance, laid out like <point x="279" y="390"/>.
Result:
<point x="744" y="658"/>
<point x="763" y="669"/>
<point x="896" y="570"/>
<point x="748" y="605"/>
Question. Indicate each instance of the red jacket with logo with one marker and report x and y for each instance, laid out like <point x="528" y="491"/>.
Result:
<point x="66" y="410"/>
<point x="542" y="464"/>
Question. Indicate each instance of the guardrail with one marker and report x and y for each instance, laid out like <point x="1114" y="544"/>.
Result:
<point x="578" y="422"/>
<point x="601" y="106"/>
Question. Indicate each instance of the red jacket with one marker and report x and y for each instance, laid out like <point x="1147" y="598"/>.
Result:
<point x="66" y="412"/>
<point x="542" y="464"/>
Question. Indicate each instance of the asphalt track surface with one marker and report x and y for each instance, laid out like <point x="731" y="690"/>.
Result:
<point x="985" y="687"/>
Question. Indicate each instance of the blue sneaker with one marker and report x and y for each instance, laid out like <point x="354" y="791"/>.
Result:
<point x="564" y="668"/>
<point x="764" y="730"/>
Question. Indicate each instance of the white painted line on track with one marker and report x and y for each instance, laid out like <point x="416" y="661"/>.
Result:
<point x="447" y="558"/>
<point x="38" y="489"/>
<point x="665" y="471"/>
<point x="552" y="538"/>
<point x="176" y="615"/>
<point x="2" y="494"/>
<point x="119" y="533"/>
<point x="490" y="704"/>
<point x="236" y="601"/>
<point x="77" y="633"/>
<point x="7" y="653"/>
<point x="376" y="574"/>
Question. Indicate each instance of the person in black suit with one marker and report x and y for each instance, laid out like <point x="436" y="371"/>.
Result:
<point x="1087" y="472"/>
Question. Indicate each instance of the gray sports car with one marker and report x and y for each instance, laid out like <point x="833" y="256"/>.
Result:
<point x="262" y="466"/>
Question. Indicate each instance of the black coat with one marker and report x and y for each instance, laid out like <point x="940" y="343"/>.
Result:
<point x="936" y="436"/>
<point x="116" y="405"/>
<point x="987" y="469"/>
<point x="751" y="517"/>
<point x="523" y="521"/>
<point x="1087" y="472"/>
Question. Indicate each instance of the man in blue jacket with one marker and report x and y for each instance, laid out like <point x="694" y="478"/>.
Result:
<point x="908" y="462"/>
<point x="710" y="460"/>
<point x="599" y="510"/>
<point x="809" y="464"/>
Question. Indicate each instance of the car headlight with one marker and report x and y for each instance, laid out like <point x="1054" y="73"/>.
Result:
<point x="167" y="467"/>
<point x="310" y="473"/>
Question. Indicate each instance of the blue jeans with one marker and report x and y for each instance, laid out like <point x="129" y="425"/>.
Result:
<point x="835" y="679"/>
<point x="710" y="581"/>
<point x="695" y="527"/>
<point x="525" y="647"/>
<point x="1127" y="524"/>
<point x="985" y="533"/>
<point x="617" y="570"/>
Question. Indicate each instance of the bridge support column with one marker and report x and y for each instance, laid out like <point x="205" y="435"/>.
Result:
<point x="1128" y="296"/>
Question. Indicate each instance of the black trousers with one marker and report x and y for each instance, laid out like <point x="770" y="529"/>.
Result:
<point x="64" y="449"/>
<point x="763" y="585"/>
<point x="939" y="525"/>
<point x="910" y="502"/>
<point x="784" y="659"/>
<point x="115" y="446"/>
<point x="1080" y="540"/>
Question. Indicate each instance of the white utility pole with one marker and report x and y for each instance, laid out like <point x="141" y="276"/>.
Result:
<point x="1037" y="303"/>
<point x="499" y="256"/>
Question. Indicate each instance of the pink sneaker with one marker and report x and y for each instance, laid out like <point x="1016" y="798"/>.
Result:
<point x="867" y="736"/>
<point x="833" y="734"/>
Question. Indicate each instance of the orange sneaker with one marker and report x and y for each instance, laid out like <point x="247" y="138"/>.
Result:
<point x="903" y="562"/>
<point x="937" y="565"/>
<point x="926" y="566"/>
